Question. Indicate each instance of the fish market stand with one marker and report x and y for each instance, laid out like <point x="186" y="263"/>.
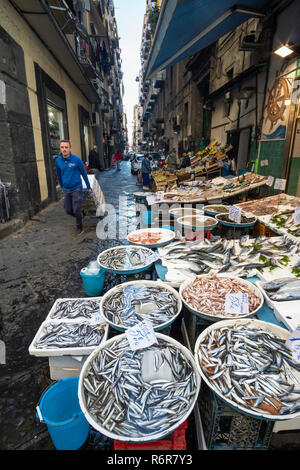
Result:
<point x="210" y="411"/>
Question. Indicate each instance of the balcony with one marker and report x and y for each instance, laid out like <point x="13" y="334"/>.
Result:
<point x="87" y="65"/>
<point x="44" y="23"/>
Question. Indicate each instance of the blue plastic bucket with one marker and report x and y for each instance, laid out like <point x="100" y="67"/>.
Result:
<point x="59" y="408"/>
<point x="93" y="283"/>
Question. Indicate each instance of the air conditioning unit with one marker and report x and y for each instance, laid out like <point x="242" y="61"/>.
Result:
<point x="249" y="43"/>
<point x="95" y="120"/>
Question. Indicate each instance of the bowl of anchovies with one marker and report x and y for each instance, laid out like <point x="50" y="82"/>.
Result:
<point x="250" y="365"/>
<point x="138" y="395"/>
<point x="128" y="259"/>
<point x="129" y="303"/>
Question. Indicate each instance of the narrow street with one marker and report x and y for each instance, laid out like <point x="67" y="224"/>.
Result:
<point x="39" y="264"/>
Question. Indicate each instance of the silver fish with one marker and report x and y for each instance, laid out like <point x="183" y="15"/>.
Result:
<point x="70" y="335"/>
<point x="262" y="372"/>
<point x="119" y="399"/>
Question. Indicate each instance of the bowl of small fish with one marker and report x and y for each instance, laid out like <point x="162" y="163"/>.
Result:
<point x="129" y="259"/>
<point x="214" y="209"/>
<point x="127" y="304"/>
<point x="197" y="223"/>
<point x="138" y="395"/>
<point x="68" y="337"/>
<point x="209" y="296"/>
<point x="184" y="211"/>
<point x="151" y="237"/>
<point x="249" y="365"/>
<point x="246" y="220"/>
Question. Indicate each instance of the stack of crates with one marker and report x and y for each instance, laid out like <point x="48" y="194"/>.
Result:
<point x="225" y="428"/>
<point x="174" y="441"/>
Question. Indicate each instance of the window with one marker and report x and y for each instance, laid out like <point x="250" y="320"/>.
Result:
<point x="56" y="129"/>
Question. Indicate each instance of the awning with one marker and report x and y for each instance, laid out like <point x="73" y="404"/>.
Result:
<point x="187" y="26"/>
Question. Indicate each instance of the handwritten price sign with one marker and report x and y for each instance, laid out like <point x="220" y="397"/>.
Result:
<point x="270" y="181"/>
<point x="141" y="335"/>
<point x="297" y="215"/>
<point x="237" y="303"/>
<point x="280" y="184"/>
<point x="234" y="214"/>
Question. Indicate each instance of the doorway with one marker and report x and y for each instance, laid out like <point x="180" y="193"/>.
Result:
<point x="239" y="139"/>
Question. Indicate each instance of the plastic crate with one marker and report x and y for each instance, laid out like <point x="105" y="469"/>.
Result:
<point x="226" y="429"/>
<point x="174" y="441"/>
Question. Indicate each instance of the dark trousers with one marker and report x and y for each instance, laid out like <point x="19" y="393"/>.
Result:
<point x="72" y="205"/>
<point x="146" y="179"/>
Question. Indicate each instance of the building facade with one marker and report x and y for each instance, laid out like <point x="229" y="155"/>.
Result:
<point x="60" y="78"/>
<point x="236" y="91"/>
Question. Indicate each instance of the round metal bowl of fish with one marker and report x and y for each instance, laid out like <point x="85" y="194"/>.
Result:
<point x="220" y="218"/>
<point x="197" y="223"/>
<point x="184" y="211"/>
<point x="215" y="209"/>
<point x="213" y="299"/>
<point x="127" y="304"/>
<point x="126" y="259"/>
<point x="119" y="398"/>
<point x="151" y="237"/>
<point x="248" y="366"/>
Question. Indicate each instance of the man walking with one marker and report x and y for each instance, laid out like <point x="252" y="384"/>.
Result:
<point x="69" y="169"/>
<point x="146" y="170"/>
<point x="118" y="158"/>
<point x="94" y="160"/>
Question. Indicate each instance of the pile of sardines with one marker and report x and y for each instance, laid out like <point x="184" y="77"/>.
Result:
<point x="70" y="335"/>
<point x="237" y="257"/>
<point x="74" y="308"/>
<point x="129" y="304"/>
<point x="121" y="401"/>
<point x="252" y="367"/>
<point x="283" y="289"/>
<point x="125" y="258"/>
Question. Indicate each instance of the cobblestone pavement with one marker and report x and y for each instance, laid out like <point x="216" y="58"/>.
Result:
<point x="38" y="264"/>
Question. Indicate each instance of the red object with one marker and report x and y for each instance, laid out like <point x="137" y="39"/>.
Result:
<point x="192" y="235"/>
<point x="86" y="168"/>
<point x="175" y="441"/>
<point x="118" y="156"/>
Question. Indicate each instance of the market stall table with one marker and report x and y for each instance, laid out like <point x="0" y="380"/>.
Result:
<point x="218" y="190"/>
<point x="96" y="199"/>
<point x="268" y="211"/>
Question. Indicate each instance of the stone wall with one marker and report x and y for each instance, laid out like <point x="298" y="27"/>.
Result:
<point x="18" y="164"/>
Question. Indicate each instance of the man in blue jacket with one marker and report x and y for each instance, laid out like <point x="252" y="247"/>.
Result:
<point x="69" y="169"/>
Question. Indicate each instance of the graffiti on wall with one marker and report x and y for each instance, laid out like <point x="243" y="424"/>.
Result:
<point x="276" y="110"/>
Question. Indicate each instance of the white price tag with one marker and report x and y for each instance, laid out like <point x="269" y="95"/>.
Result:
<point x="270" y="181"/>
<point x="237" y="303"/>
<point x="297" y="215"/>
<point x="141" y="335"/>
<point x="280" y="184"/>
<point x="97" y="318"/>
<point x="235" y="214"/>
<point x="293" y="343"/>
<point x="266" y="162"/>
<point x="153" y="258"/>
<point x="262" y="163"/>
